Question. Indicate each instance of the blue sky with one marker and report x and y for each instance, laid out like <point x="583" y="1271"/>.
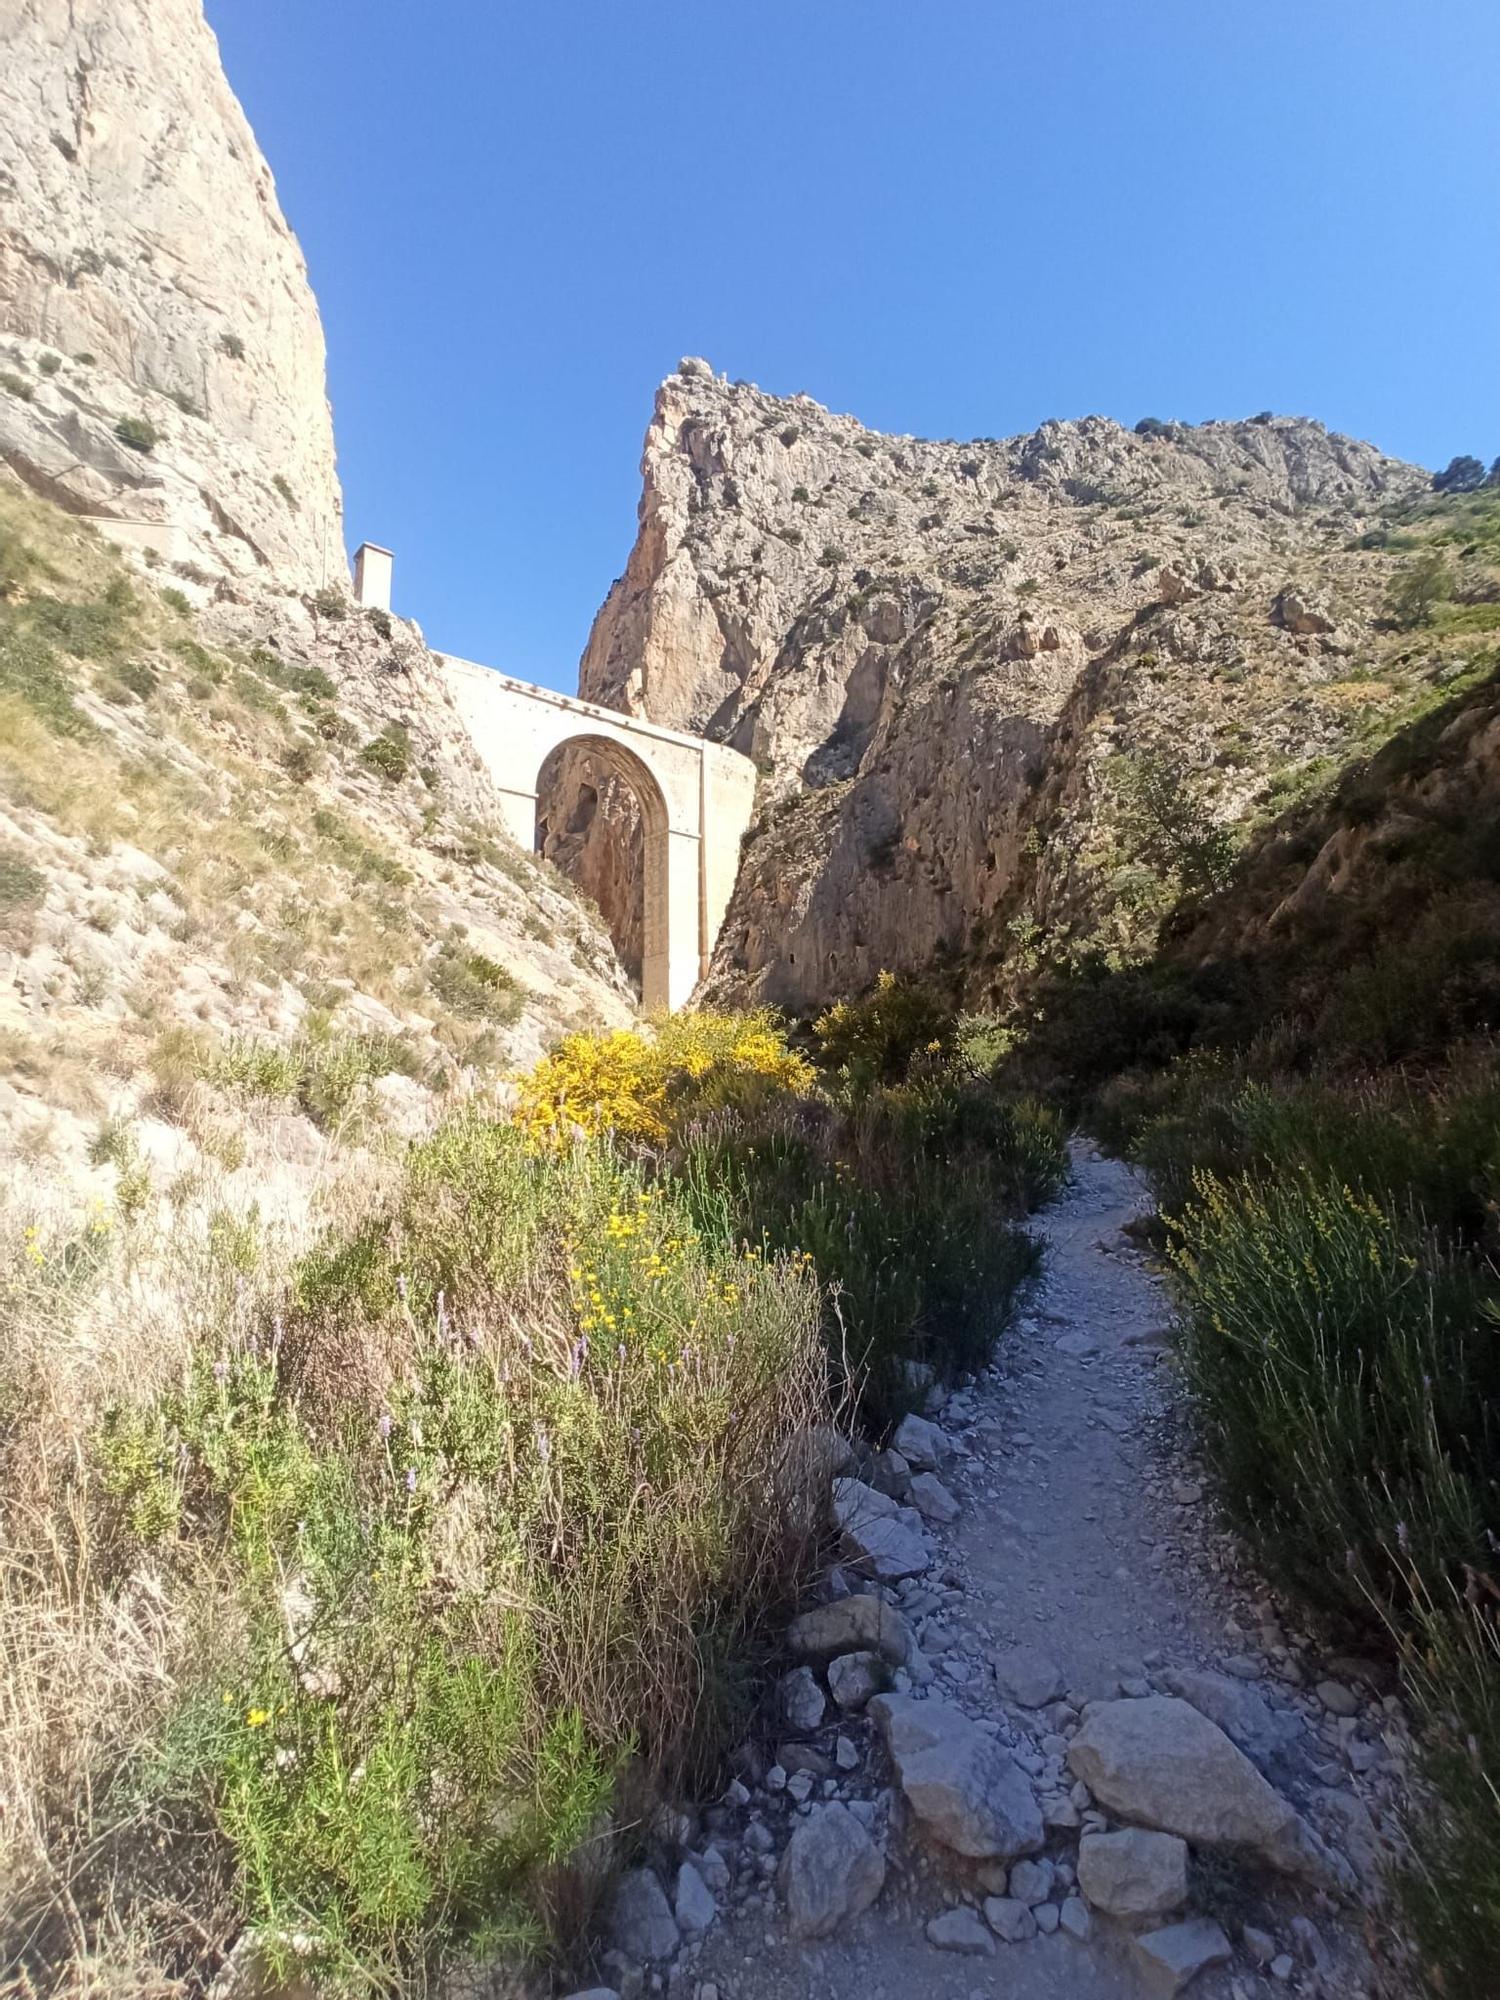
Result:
<point x="948" y="217"/>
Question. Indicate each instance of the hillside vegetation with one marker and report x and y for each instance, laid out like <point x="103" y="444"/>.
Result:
<point x="1307" y="1068"/>
<point x="399" y="1583"/>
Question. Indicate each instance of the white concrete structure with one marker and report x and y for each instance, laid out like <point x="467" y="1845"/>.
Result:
<point x="372" y="575"/>
<point x="695" y="798"/>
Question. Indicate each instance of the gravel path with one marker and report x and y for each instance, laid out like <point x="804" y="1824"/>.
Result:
<point x="1083" y="1535"/>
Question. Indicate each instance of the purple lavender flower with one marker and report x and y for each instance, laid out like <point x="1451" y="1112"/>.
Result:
<point x="401" y="1286"/>
<point x="411" y="1479"/>
<point x="543" y="1445"/>
<point x="221" y="1372"/>
<point x="385" y="1424"/>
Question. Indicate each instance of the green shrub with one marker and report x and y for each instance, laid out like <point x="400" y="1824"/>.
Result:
<point x="30" y="671"/>
<point x="1168" y="820"/>
<point x="899" y="1207"/>
<point x="476" y="987"/>
<point x="873" y="1039"/>
<point x="1418" y="589"/>
<point x="138" y="432"/>
<point x="176" y="600"/>
<point x="137" y="677"/>
<point x="309" y="681"/>
<point x="1348" y="1380"/>
<point x="232" y="345"/>
<point x="49" y="363"/>
<point x="283" y="487"/>
<point x="16" y="385"/>
<point x="1449" y="1884"/>
<point x="20" y="883"/>
<point x="517" y="1476"/>
<point x="88" y="630"/>
<point x="330" y="602"/>
<point x="388" y="754"/>
<point x="323" y="1071"/>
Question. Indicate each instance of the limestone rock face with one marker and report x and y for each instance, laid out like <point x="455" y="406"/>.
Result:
<point x="147" y="275"/>
<point x="937" y="651"/>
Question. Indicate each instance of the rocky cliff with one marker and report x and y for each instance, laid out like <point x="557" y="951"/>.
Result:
<point x="161" y="356"/>
<point x="960" y="665"/>
<point x="257" y="904"/>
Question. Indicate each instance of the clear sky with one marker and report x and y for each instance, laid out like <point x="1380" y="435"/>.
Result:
<point x="950" y="217"/>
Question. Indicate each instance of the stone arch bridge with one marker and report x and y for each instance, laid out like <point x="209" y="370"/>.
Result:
<point x="695" y="799"/>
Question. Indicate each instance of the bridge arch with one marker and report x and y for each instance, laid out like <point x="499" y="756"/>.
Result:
<point x="695" y="799"/>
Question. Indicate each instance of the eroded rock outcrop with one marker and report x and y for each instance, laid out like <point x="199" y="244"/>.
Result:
<point x="161" y="349"/>
<point x="939" y="653"/>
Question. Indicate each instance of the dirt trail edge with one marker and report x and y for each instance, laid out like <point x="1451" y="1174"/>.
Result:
<point x="1087" y="1671"/>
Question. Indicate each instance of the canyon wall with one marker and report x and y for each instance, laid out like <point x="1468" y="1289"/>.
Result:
<point x="161" y="355"/>
<point x="952" y="662"/>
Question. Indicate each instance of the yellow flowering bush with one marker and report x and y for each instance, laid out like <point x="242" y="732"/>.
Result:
<point x="635" y="1084"/>
<point x="873" y="1040"/>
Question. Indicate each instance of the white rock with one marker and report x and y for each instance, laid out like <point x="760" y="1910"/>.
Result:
<point x="1133" y="1873"/>
<point x="1008" y="1917"/>
<point x="802" y="1701"/>
<point x="1170" y="1958"/>
<point x="966" y="1790"/>
<point x="925" y="1446"/>
<point x="886" y="1549"/>
<point x="831" y="1870"/>
<point x="1031" y="1882"/>
<point x="1163" y="1764"/>
<point x="1245" y="1716"/>
<point x="854" y="1677"/>
<point x="854" y="1624"/>
<point x="1075" y="1919"/>
<point x="932" y="1499"/>
<point x="960" y="1930"/>
<point x="693" y="1905"/>
<point x="1027" y="1677"/>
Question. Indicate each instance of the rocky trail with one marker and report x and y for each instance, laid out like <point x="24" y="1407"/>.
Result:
<point x="1050" y="1738"/>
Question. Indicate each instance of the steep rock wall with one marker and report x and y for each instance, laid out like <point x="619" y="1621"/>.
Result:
<point x="921" y="644"/>
<point x="148" y="275"/>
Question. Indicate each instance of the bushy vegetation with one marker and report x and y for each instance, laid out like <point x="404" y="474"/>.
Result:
<point x="1340" y="1313"/>
<point x="1310" y="1077"/>
<point x="469" y="1529"/>
<point x="138" y="432"/>
<point x="498" y="1501"/>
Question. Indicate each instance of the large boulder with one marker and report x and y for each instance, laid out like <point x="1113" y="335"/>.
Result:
<point x="1158" y="1761"/>
<point x="1300" y="612"/>
<point x="1243" y="1715"/>
<point x="852" y="1625"/>
<point x="966" y="1790"/>
<point x="831" y="1870"/>
<point x="1133" y="1873"/>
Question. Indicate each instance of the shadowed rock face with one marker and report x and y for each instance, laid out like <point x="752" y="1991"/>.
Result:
<point x="935" y="650"/>
<point x="139" y="227"/>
